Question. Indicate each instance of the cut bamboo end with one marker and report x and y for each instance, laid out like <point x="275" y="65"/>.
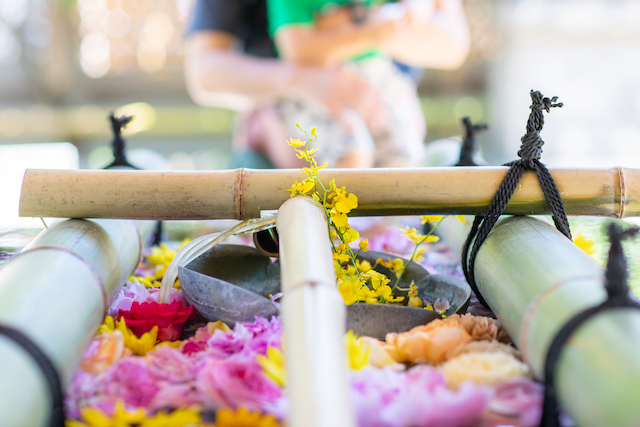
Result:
<point x="243" y="193"/>
<point x="314" y="318"/>
<point x="535" y="280"/>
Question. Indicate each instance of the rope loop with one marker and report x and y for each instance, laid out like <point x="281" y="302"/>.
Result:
<point x="529" y="153"/>
<point x="618" y="296"/>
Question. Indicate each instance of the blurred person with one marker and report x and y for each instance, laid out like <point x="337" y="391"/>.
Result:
<point x="231" y="62"/>
<point x="366" y="38"/>
<point x="366" y="111"/>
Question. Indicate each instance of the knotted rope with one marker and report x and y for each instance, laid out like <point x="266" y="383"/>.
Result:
<point x="529" y="153"/>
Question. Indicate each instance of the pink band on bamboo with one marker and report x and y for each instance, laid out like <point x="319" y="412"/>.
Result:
<point x="533" y="307"/>
<point x="92" y="269"/>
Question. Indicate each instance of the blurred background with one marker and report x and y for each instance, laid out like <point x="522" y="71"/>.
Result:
<point x="65" y="64"/>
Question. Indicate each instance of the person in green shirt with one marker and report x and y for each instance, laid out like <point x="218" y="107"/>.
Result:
<point x="366" y="37"/>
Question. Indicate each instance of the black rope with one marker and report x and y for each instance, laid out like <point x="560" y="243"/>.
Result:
<point x="118" y="143"/>
<point x="617" y="297"/>
<point x="46" y="367"/>
<point x="529" y="153"/>
<point x="469" y="145"/>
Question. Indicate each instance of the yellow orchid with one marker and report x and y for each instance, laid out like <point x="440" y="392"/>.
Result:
<point x="244" y="418"/>
<point x="414" y="301"/>
<point x="296" y="143"/>
<point x="431" y="218"/>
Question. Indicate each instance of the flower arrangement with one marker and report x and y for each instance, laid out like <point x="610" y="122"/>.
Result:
<point x="358" y="281"/>
<point x="140" y="369"/>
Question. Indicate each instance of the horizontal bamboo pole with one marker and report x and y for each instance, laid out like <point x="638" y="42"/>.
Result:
<point x="56" y="292"/>
<point x="535" y="280"/>
<point x="314" y="319"/>
<point x="242" y="193"/>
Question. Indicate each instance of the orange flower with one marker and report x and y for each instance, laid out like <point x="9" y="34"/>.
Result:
<point x="427" y="343"/>
<point x="110" y="350"/>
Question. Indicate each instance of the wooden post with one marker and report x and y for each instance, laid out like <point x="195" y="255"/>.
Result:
<point x="535" y="280"/>
<point x="56" y="291"/>
<point x="314" y="318"/>
<point x="243" y="193"/>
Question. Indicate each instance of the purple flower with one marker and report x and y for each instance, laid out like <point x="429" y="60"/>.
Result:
<point x="78" y="393"/>
<point x="416" y="398"/>
<point x="239" y="382"/>
<point x="247" y="339"/>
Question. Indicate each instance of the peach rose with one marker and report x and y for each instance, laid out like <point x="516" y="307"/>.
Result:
<point x="428" y="343"/>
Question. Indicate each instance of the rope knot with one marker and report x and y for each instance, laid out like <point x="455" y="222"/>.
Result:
<point x="531" y="147"/>
<point x="616" y="275"/>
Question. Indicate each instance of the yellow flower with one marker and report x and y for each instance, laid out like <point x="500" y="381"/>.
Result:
<point x="482" y="368"/>
<point x="139" y="346"/>
<point x="414" y="301"/>
<point x="461" y="218"/>
<point x="339" y="219"/>
<point x="430" y="218"/>
<point x="363" y="266"/>
<point x="243" y="418"/>
<point x="413" y="235"/>
<point x="396" y="265"/>
<point x="273" y="365"/>
<point x="177" y="418"/>
<point x="108" y="326"/>
<point x="94" y="417"/>
<point x="301" y="187"/>
<point x="313" y="131"/>
<point x="350" y="235"/>
<point x="585" y="244"/>
<point x="364" y="244"/>
<point x="346" y="204"/>
<point x="357" y="352"/>
<point x="295" y="143"/>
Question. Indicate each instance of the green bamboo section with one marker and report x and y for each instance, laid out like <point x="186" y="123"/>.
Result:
<point x="56" y="292"/>
<point x="243" y="193"/>
<point x="535" y="280"/>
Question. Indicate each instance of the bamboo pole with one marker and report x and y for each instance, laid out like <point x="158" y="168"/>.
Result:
<point x="56" y="291"/>
<point x="314" y="317"/>
<point x="535" y="280"/>
<point x="243" y="193"/>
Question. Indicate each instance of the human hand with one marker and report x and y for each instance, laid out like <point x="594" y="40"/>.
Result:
<point x="339" y="89"/>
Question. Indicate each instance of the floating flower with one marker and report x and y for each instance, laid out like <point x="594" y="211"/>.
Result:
<point x="238" y="382"/>
<point x="519" y="400"/>
<point x="357" y="351"/>
<point x="247" y="339"/>
<point x="178" y="418"/>
<point x="244" y="418"/>
<point x="129" y="380"/>
<point x="379" y="356"/>
<point x="390" y="241"/>
<point x="483" y="347"/>
<point x="479" y="327"/>
<point x="140" y="346"/>
<point x="169" y="318"/>
<point x="198" y="342"/>
<point x="417" y="398"/>
<point x="94" y="417"/>
<point x="427" y="345"/>
<point x="134" y="291"/>
<point x="273" y="365"/>
<point x="105" y="350"/>
<point x="482" y="368"/>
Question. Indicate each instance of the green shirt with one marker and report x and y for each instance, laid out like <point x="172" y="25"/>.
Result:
<point x="303" y="12"/>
